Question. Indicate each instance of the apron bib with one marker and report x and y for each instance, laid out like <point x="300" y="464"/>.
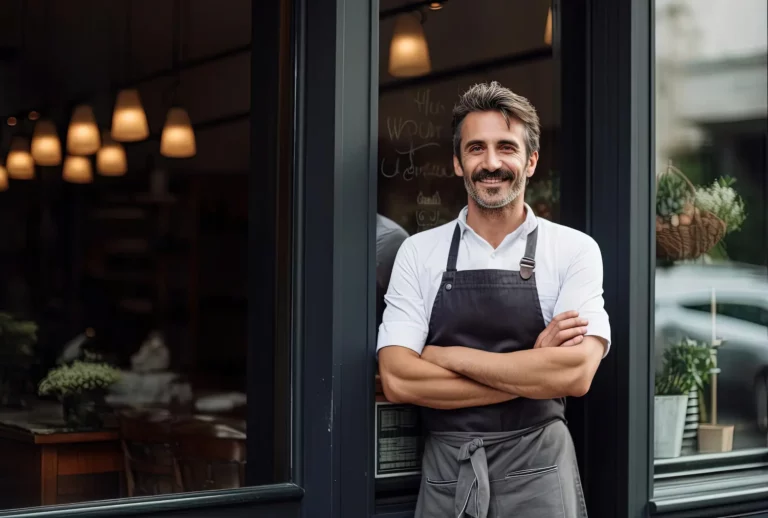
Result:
<point x="509" y="459"/>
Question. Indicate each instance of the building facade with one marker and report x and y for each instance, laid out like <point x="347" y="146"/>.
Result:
<point x="236" y="284"/>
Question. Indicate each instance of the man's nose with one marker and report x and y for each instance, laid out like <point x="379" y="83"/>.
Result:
<point x="492" y="161"/>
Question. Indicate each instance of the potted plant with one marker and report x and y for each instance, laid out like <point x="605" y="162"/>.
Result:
<point x="17" y="341"/>
<point x="685" y="368"/>
<point x="80" y="386"/>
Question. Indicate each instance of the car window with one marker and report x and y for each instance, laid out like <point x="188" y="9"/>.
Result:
<point x="747" y="312"/>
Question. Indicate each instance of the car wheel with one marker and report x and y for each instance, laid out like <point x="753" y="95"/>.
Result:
<point x="761" y="400"/>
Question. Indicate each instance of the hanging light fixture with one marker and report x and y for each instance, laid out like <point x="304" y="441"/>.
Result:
<point x="129" y="121"/>
<point x="46" y="146"/>
<point x="178" y="137"/>
<point x="19" y="162"/>
<point x="77" y="169"/>
<point x="83" y="135"/>
<point x="408" y="51"/>
<point x="548" y="28"/>
<point x="3" y="179"/>
<point x="111" y="159"/>
<point x="435" y="6"/>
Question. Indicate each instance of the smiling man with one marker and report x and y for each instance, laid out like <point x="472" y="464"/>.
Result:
<point x="491" y="321"/>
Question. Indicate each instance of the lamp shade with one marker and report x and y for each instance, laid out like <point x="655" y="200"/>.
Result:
<point x="178" y="138"/>
<point x="548" y="28"/>
<point x="3" y="179"/>
<point x="46" y="146"/>
<point x="129" y="121"/>
<point x="77" y="169"/>
<point x="111" y="159"/>
<point x="19" y="162"/>
<point x="83" y="135"/>
<point x="408" y="51"/>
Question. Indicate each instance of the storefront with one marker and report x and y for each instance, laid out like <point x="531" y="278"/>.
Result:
<point x="222" y="242"/>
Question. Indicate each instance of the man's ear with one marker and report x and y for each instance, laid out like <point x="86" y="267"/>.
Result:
<point x="457" y="166"/>
<point x="533" y="160"/>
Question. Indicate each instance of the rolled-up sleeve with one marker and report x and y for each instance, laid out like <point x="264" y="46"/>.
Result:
<point x="582" y="290"/>
<point x="405" y="320"/>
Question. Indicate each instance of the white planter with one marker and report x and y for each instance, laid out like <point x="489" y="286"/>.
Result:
<point x="669" y="423"/>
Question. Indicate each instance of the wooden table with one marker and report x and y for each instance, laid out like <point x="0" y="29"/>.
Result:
<point x="44" y="464"/>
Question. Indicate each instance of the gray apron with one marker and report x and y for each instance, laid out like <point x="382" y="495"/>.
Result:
<point x="511" y="459"/>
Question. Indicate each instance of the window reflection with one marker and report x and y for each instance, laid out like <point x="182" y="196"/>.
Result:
<point x="124" y="209"/>
<point x="711" y="224"/>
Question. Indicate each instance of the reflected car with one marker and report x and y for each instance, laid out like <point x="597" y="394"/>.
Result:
<point x="683" y="309"/>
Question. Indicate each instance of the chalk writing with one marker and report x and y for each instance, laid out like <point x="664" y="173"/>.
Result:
<point x="399" y="128"/>
<point x="421" y="199"/>
<point x="426" y="105"/>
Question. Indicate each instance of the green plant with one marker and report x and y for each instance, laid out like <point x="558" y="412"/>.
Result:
<point x="77" y="378"/>
<point x="722" y="200"/>
<point x="687" y="365"/>
<point x="17" y="338"/>
<point x="672" y="195"/>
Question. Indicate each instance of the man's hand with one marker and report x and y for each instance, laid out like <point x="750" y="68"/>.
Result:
<point x="565" y="330"/>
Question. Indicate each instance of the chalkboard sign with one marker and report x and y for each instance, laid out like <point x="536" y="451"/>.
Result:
<point x="417" y="185"/>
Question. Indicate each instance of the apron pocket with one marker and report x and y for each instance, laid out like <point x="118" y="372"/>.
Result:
<point x="437" y="499"/>
<point x="533" y="493"/>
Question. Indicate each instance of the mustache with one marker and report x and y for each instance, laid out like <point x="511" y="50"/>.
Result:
<point x="498" y="174"/>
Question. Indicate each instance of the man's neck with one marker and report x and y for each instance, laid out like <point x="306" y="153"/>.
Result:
<point x="494" y="225"/>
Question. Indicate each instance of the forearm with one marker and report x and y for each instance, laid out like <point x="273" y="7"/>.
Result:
<point x="422" y="383"/>
<point x="542" y="373"/>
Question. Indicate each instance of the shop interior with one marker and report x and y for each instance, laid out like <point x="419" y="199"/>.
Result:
<point x="124" y="166"/>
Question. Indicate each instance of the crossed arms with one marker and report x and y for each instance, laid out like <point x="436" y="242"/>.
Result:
<point x="562" y="363"/>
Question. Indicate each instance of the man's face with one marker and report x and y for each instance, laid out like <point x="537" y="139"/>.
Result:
<point x="493" y="159"/>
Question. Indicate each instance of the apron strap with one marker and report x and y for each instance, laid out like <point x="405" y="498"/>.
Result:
<point x="453" y="255"/>
<point x="473" y="491"/>
<point x="528" y="262"/>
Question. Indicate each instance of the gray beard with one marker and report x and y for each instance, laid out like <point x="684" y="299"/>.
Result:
<point x="517" y="189"/>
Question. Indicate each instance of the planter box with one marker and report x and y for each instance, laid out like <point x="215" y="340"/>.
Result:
<point x="669" y="423"/>
<point x="715" y="438"/>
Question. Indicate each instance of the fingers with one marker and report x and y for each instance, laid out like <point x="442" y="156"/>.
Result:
<point x="573" y="341"/>
<point x="567" y="334"/>
<point x="562" y="329"/>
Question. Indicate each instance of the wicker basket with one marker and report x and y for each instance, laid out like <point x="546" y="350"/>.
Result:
<point x="688" y="241"/>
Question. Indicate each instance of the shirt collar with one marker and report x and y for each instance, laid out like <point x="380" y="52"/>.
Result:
<point x="530" y="223"/>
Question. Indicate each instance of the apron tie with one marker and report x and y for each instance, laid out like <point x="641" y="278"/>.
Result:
<point x="473" y="491"/>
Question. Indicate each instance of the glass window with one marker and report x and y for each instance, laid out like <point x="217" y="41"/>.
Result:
<point x="711" y="339"/>
<point x="126" y="344"/>
<point x="429" y="53"/>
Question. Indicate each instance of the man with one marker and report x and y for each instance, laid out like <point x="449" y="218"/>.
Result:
<point x="389" y="237"/>
<point x="491" y="321"/>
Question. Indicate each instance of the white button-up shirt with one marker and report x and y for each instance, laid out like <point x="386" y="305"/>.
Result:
<point x="569" y="276"/>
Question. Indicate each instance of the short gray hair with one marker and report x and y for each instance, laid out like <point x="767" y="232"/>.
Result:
<point x="484" y="97"/>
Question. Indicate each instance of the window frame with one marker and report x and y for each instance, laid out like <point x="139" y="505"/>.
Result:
<point x="272" y="203"/>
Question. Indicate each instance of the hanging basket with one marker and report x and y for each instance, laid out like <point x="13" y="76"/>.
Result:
<point x="688" y="241"/>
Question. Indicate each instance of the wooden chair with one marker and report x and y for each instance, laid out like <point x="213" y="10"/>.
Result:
<point x="148" y="448"/>
<point x="209" y="462"/>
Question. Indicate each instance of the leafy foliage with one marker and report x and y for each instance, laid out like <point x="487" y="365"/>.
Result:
<point x="687" y="365"/>
<point x="77" y="378"/>
<point x="17" y="337"/>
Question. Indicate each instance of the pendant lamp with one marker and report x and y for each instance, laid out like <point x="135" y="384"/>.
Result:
<point x="129" y="121"/>
<point x="83" y="135"/>
<point x="111" y="159"/>
<point x="77" y="169"/>
<point x="3" y="179"/>
<point x="19" y="162"/>
<point x="46" y="146"/>
<point x="178" y="137"/>
<point x="408" y="51"/>
<point x="548" y="28"/>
